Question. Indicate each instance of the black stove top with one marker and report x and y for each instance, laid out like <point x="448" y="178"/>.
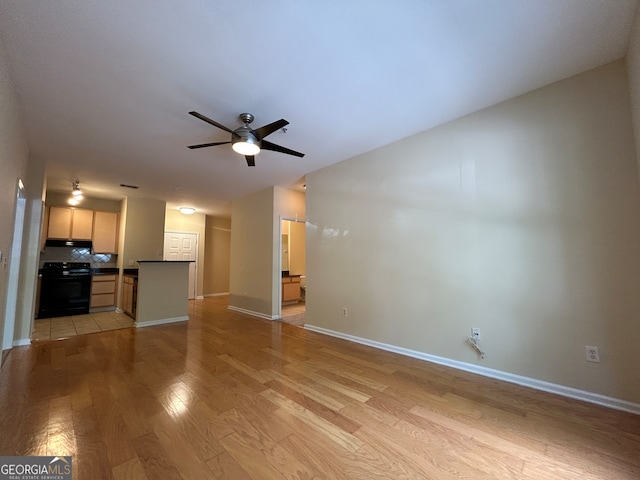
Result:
<point x="66" y="268"/>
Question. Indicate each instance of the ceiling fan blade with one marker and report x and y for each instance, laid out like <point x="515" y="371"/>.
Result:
<point x="212" y="122"/>
<point x="251" y="160"/>
<point x="203" y="145"/>
<point x="262" y="132"/>
<point x="277" y="148"/>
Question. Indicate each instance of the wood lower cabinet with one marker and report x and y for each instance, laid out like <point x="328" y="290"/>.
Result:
<point x="129" y="295"/>
<point x="103" y="291"/>
<point x="290" y="289"/>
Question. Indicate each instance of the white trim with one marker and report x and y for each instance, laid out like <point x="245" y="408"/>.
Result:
<point x="216" y="294"/>
<point x="199" y="297"/>
<point x="161" y="321"/>
<point x="536" y="384"/>
<point x="252" y="313"/>
<point x="13" y="275"/>
<point x="21" y="342"/>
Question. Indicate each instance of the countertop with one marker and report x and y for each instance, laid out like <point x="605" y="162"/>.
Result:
<point x="105" y="271"/>
<point x="165" y="261"/>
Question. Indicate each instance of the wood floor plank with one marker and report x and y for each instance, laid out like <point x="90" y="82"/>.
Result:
<point x="228" y="396"/>
<point x="182" y="452"/>
<point x="225" y="466"/>
<point x="154" y="458"/>
<point x="131" y="470"/>
<point x="320" y="409"/>
<point x="339" y="436"/>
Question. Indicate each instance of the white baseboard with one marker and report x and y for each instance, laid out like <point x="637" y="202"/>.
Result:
<point x="161" y="321"/>
<point x="199" y="297"/>
<point x="596" y="398"/>
<point x="216" y="294"/>
<point x="252" y="313"/>
<point x="21" y="342"/>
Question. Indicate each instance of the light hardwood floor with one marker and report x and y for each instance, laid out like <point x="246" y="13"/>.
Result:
<point x="225" y="395"/>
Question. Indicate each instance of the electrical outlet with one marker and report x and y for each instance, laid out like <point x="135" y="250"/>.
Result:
<point x="131" y="263"/>
<point x="475" y="333"/>
<point x="344" y="311"/>
<point x="592" y="353"/>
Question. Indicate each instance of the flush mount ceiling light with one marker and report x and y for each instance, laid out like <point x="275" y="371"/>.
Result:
<point x="246" y="141"/>
<point x="187" y="210"/>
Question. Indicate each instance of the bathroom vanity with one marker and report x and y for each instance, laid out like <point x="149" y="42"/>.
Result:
<point x="290" y="288"/>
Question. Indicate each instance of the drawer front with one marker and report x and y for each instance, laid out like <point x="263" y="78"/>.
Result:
<point x="103" y="300"/>
<point x="104" y="278"/>
<point x="103" y="287"/>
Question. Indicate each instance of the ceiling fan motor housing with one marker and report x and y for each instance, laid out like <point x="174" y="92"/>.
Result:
<point x="246" y="118"/>
<point x="243" y="134"/>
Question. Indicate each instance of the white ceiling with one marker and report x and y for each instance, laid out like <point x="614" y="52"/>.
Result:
<point x="105" y="87"/>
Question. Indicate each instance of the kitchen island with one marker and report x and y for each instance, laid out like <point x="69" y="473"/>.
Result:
<point x="162" y="292"/>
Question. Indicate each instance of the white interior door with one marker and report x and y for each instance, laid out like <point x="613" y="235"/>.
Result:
<point x="183" y="246"/>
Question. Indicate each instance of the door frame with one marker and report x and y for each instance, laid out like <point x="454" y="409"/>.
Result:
<point x="279" y="266"/>
<point x="11" y="305"/>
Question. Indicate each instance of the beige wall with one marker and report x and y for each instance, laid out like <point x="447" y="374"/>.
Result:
<point x="633" y="67"/>
<point x="13" y="166"/>
<point x="251" y="259"/>
<point x="142" y="226"/>
<point x="217" y="255"/>
<point x="254" y="284"/>
<point x="195" y="223"/>
<point x="163" y="290"/>
<point x="521" y="219"/>
<point x="106" y="205"/>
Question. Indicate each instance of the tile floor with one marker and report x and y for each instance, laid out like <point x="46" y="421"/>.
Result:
<point x="63" y="327"/>
<point x="294" y="314"/>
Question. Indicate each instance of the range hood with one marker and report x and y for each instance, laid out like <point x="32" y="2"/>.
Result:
<point x="69" y="243"/>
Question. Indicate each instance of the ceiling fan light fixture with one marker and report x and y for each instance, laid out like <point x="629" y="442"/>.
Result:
<point x="246" y="144"/>
<point x="76" y="192"/>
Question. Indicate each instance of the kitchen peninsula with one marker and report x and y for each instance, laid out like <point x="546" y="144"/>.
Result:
<point x="162" y="292"/>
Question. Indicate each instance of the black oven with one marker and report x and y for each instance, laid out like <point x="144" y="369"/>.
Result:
<point x="65" y="289"/>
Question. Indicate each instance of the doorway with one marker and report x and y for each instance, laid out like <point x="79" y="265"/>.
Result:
<point x="293" y="271"/>
<point x="183" y="246"/>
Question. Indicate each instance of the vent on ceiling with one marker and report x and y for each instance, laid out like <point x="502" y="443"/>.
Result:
<point x="128" y="186"/>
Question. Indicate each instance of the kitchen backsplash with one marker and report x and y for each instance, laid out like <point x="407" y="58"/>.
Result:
<point x="77" y="254"/>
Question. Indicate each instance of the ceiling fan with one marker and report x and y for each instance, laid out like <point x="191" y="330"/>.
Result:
<point x="246" y="141"/>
